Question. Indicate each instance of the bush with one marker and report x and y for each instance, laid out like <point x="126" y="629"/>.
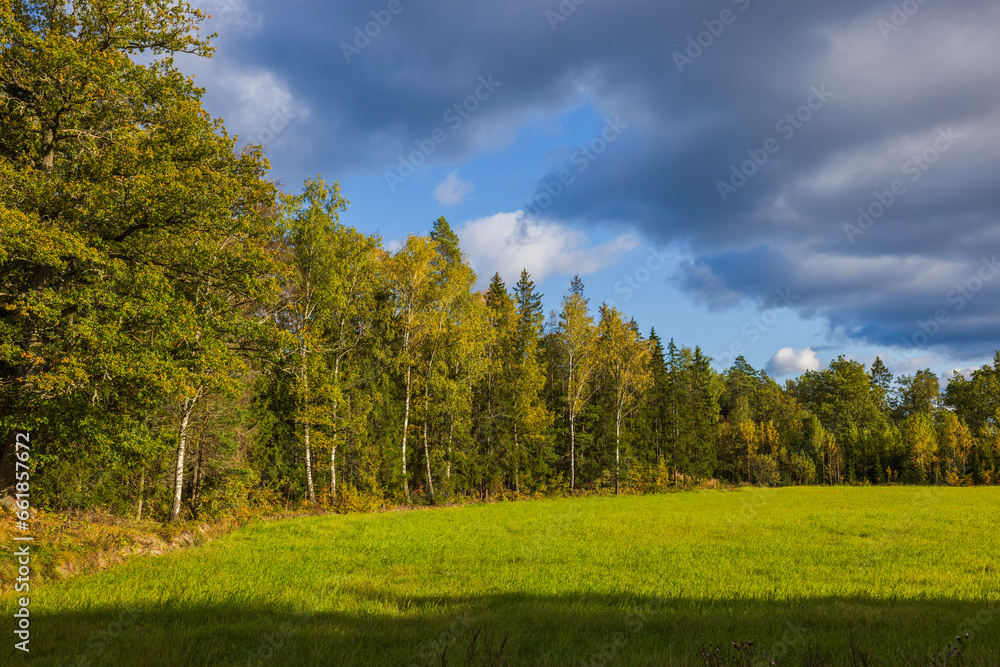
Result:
<point x="802" y="469"/>
<point x="350" y="500"/>
<point x="230" y="500"/>
<point x="764" y="471"/>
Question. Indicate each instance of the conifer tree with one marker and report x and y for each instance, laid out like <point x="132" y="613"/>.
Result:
<point x="530" y="418"/>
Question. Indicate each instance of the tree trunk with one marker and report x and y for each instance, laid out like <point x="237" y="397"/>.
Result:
<point x="406" y="427"/>
<point x="199" y="474"/>
<point x="333" y="448"/>
<point x="451" y="431"/>
<point x="427" y="456"/>
<point x="427" y="407"/>
<point x="333" y="472"/>
<point x="8" y="462"/>
<point x="49" y="151"/>
<point x="309" y="470"/>
<point x="676" y="439"/>
<point x="142" y="489"/>
<point x="618" y="437"/>
<point x="175" y="511"/>
<point x="306" y="422"/>
<point x="572" y="451"/>
<point x="517" y="453"/>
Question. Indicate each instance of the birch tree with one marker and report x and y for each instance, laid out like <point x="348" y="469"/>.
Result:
<point x="411" y="278"/>
<point x="353" y="319"/>
<point x="624" y="359"/>
<point x="310" y="227"/>
<point x="577" y="337"/>
<point x="448" y="300"/>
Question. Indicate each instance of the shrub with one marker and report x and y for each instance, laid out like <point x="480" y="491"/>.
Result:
<point x="764" y="470"/>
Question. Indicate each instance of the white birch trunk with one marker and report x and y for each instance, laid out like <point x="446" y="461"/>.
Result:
<point x="142" y="489"/>
<point x="333" y="448"/>
<point x="406" y="427"/>
<point x="572" y="450"/>
<point x="306" y="419"/>
<point x="175" y="511"/>
<point x="451" y="432"/>
<point x="427" y="407"/>
<point x="618" y="437"/>
<point x="517" y="454"/>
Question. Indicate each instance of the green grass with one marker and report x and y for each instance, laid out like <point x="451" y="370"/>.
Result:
<point x="804" y="573"/>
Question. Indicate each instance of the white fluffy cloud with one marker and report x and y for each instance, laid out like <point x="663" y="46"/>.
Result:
<point x="965" y="372"/>
<point x="452" y="190"/>
<point x="788" y="361"/>
<point x="505" y="243"/>
<point x="257" y="104"/>
<point x="232" y="15"/>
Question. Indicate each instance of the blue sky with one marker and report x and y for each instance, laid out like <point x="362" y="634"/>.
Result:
<point x="781" y="180"/>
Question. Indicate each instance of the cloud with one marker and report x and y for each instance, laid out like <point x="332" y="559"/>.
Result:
<point x="698" y="280"/>
<point x="505" y="243"/>
<point x="965" y="372"/>
<point x="892" y="93"/>
<point x="262" y="103"/>
<point x="452" y="190"/>
<point x="231" y="15"/>
<point x="788" y="361"/>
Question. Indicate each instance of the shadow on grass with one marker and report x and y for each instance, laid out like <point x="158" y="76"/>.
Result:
<point x="524" y="630"/>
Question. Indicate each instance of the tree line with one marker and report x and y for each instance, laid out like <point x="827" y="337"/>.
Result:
<point x="182" y="339"/>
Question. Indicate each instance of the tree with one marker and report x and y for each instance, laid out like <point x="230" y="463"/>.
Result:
<point x="977" y="400"/>
<point x="955" y="445"/>
<point x="841" y="396"/>
<point x="309" y="225"/>
<point x="704" y="392"/>
<point x="677" y="417"/>
<point x="656" y="404"/>
<point x="448" y="303"/>
<point x="577" y="338"/>
<point x="466" y="360"/>
<point x="624" y="359"/>
<point x="881" y="383"/>
<point x="411" y="276"/>
<point x="824" y="445"/>
<point x="496" y="407"/>
<point x="357" y="314"/>
<point x="332" y="311"/>
<point x="916" y="394"/>
<point x="920" y="439"/>
<point x="139" y="258"/>
<point x="742" y="383"/>
<point x="529" y="414"/>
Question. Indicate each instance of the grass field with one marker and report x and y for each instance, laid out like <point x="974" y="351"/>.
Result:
<point x="809" y="575"/>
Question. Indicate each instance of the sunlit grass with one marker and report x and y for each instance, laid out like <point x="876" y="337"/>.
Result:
<point x="641" y="580"/>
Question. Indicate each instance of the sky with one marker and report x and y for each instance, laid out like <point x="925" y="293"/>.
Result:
<point x="784" y="180"/>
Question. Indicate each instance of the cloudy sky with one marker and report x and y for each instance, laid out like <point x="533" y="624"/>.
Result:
<point x="789" y="181"/>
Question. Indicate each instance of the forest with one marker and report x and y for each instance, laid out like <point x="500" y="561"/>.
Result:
<point x="182" y="338"/>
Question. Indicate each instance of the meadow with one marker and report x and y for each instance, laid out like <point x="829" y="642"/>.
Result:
<point x="809" y="575"/>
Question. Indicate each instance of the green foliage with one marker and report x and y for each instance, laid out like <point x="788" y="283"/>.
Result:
<point x="763" y="470"/>
<point x="916" y="394"/>
<point x="139" y="256"/>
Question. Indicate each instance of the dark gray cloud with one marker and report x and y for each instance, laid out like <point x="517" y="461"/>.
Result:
<point x="886" y="93"/>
